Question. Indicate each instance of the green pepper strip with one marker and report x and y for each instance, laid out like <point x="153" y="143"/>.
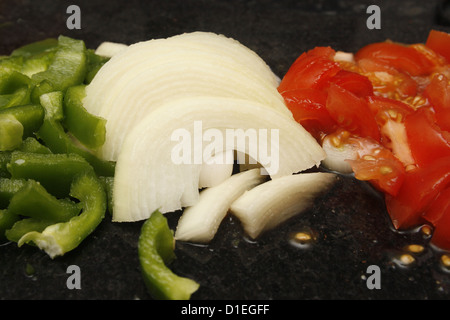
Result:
<point x="58" y="239"/>
<point x="34" y="201"/>
<point x="156" y="249"/>
<point x="18" y="122"/>
<point x="68" y="68"/>
<point x="36" y="48"/>
<point x="54" y="171"/>
<point x="11" y="132"/>
<point x="7" y="220"/>
<point x="32" y="145"/>
<point x="108" y="184"/>
<point x="94" y="63"/>
<point x="5" y="158"/>
<point x="87" y="128"/>
<point x="58" y="141"/>
<point x="37" y="56"/>
<point x="8" y="187"/>
<point x="30" y="116"/>
<point x="24" y="226"/>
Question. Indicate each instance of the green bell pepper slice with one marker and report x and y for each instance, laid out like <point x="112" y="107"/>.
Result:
<point x="36" y="48"/>
<point x="60" y="238"/>
<point x="31" y="116"/>
<point x="89" y="129"/>
<point x="14" y="88"/>
<point x="7" y="221"/>
<point x="5" y="158"/>
<point x="32" y="145"/>
<point x="18" y="122"/>
<point x="36" y="56"/>
<point x="11" y="132"/>
<point x="23" y="226"/>
<point x="55" y="137"/>
<point x="108" y="184"/>
<point x="33" y="201"/>
<point x="156" y="250"/>
<point x="8" y="187"/>
<point x="94" y="63"/>
<point x="54" y="171"/>
<point x="68" y="68"/>
<point x="11" y="80"/>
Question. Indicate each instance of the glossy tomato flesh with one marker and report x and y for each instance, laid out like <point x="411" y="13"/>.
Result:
<point x="419" y="188"/>
<point x="438" y="94"/>
<point x="393" y="101"/>
<point x="439" y="42"/>
<point x="312" y="69"/>
<point x="438" y="214"/>
<point x="426" y="140"/>
<point x="351" y="112"/>
<point x="401" y="57"/>
<point x="308" y="108"/>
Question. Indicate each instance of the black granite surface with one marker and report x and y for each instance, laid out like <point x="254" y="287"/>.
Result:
<point x="352" y="227"/>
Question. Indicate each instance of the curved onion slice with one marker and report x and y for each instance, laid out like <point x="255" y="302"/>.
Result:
<point x="149" y="174"/>
<point x="147" y="74"/>
<point x="272" y="203"/>
<point x="109" y="49"/>
<point x="216" y="169"/>
<point x="336" y="157"/>
<point x="200" y="222"/>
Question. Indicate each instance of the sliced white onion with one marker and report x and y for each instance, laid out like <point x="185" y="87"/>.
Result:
<point x="268" y="205"/>
<point x="109" y="49"/>
<point x="147" y="177"/>
<point x="216" y="169"/>
<point x="336" y="157"/>
<point x="200" y="222"/>
<point x="147" y="74"/>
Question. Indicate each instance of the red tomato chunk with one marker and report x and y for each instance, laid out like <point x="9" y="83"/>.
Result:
<point x="391" y="103"/>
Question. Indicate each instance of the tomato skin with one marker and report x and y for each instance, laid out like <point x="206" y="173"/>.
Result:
<point x="354" y="82"/>
<point x="438" y="215"/>
<point x="312" y="69"/>
<point x="419" y="188"/>
<point x="438" y="94"/>
<point x="426" y="140"/>
<point x="308" y="108"/>
<point x="439" y="42"/>
<point x="401" y="57"/>
<point x="351" y="112"/>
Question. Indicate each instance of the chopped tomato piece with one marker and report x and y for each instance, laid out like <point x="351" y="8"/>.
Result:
<point x="388" y="109"/>
<point x="351" y="112"/>
<point x="438" y="94"/>
<point x="390" y="104"/>
<point x="439" y="42"/>
<point x="401" y="57"/>
<point x="388" y="81"/>
<point x="354" y="82"/>
<point x="426" y="140"/>
<point x="390" y="115"/>
<point x="435" y="59"/>
<point x="378" y="165"/>
<point x="308" y="108"/>
<point x="438" y="215"/>
<point x="419" y="188"/>
<point x="312" y="69"/>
